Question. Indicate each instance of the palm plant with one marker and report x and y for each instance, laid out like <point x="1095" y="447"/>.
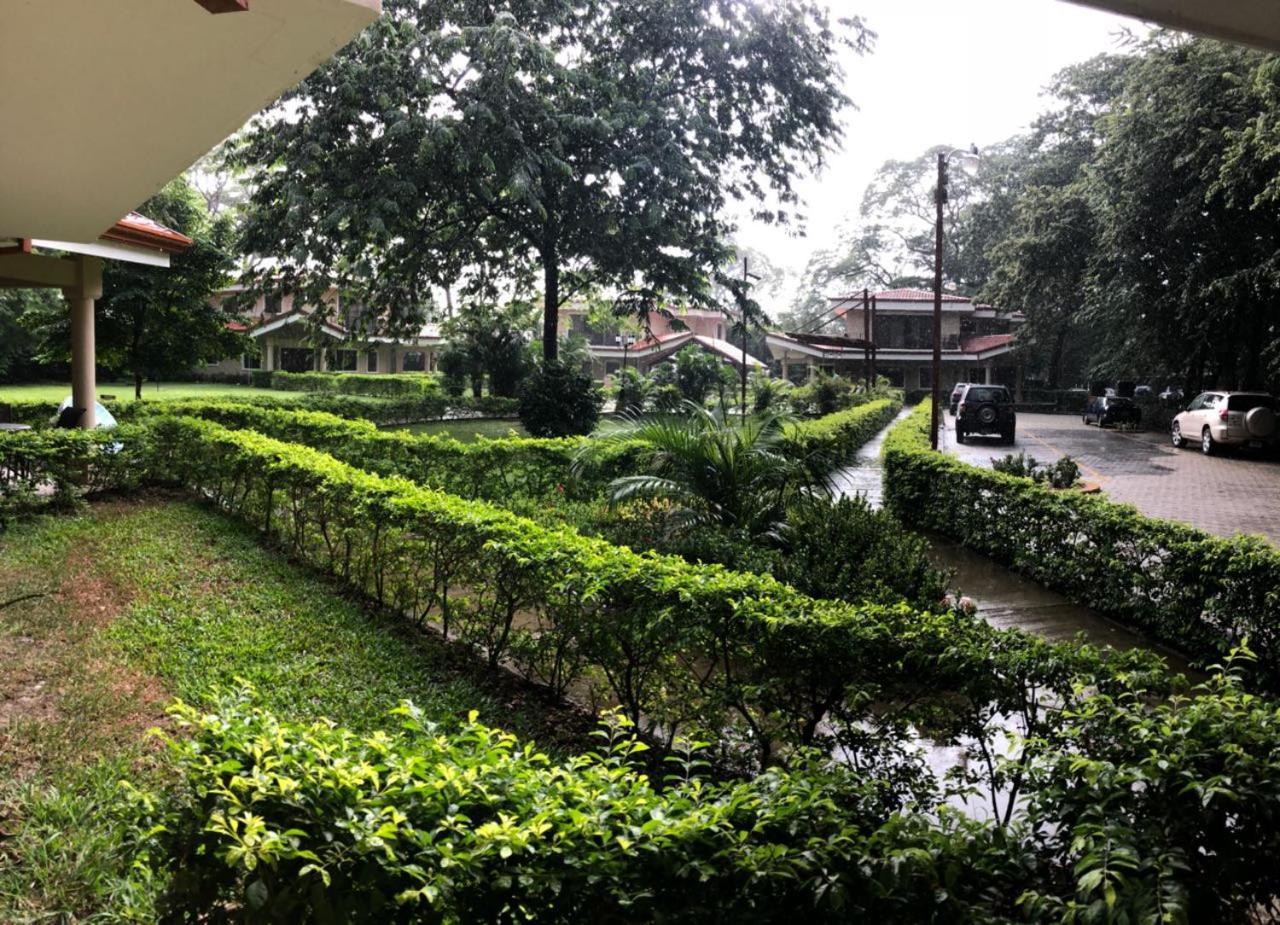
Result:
<point x="715" y="471"/>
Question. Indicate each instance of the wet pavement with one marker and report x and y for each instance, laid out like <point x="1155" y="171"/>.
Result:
<point x="1225" y="494"/>
<point x="1003" y="597"/>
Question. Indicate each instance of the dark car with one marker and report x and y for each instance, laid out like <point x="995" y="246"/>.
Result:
<point x="1112" y="409"/>
<point x="985" y="409"/>
<point x="955" y="396"/>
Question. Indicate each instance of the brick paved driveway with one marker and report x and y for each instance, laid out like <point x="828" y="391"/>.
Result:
<point x="1221" y="494"/>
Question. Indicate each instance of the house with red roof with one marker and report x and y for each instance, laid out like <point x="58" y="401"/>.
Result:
<point x="891" y="333"/>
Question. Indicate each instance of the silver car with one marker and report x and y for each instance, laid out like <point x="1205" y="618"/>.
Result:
<point x="1218" y="419"/>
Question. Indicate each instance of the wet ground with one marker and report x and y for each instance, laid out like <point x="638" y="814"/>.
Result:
<point x="1003" y="597"/>
<point x="1225" y="494"/>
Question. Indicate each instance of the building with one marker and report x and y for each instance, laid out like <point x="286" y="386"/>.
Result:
<point x="286" y="338"/>
<point x="897" y="337"/>
<point x="611" y="348"/>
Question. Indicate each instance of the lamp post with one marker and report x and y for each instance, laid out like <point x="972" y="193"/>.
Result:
<point x="625" y="341"/>
<point x="940" y="198"/>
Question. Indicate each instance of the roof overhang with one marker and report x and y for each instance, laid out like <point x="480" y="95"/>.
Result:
<point x="789" y="346"/>
<point x="300" y="318"/>
<point x="1249" y="22"/>
<point x="106" y="102"/>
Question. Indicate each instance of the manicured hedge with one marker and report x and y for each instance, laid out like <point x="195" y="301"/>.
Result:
<point x="835" y="438"/>
<point x="1199" y="593"/>
<point x="39" y="468"/>
<point x="379" y="385"/>
<point x="677" y="645"/>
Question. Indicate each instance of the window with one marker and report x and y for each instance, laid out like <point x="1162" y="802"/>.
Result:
<point x="611" y="367"/>
<point x="297" y="359"/>
<point x="274" y="302"/>
<point x="343" y="361"/>
<point x="992" y="393"/>
<point x="251" y="361"/>
<point x="415" y="362"/>
<point x="371" y="361"/>
<point x="926" y="377"/>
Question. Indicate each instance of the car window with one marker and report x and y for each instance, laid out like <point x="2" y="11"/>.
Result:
<point x="980" y="393"/>
<point x="1249" y="402"/>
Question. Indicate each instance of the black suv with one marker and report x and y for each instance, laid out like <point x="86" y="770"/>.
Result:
<point x="985" y="409"/>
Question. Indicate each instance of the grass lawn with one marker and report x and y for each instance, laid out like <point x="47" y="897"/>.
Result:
<point x="467" y="431"/>
<point x="130" y="604"/>
<point x="123" y="391"/>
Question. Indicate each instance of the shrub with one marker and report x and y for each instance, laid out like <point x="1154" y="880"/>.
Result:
<point x="772" y="662"/>
<point x="846" y="550"/>
<point x="48" y="467"/>
<point x="696" y="373"/>
<point x="260" y="378"/>
<point x="826" y="394"/>
<point x="633" y="392"/>
<point x="1198" y="593"/>
<point x="559" y="401"/>
<point x="767" y="393"/>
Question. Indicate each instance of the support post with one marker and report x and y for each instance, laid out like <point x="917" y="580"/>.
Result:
<point x="81" y="297"/>
<point x="866" y="337"/>
<point x="940" y="197"/>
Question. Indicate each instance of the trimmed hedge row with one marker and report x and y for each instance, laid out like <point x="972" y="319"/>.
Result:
<point x="494" y="468"/>
<point x="1198" y="593"/>
<point x="379" y="385"/>
<point x="40" y="468"/>
<point x="499" y="468"/>
<point x="429" y="406"/>
<point x="678" y="646"/>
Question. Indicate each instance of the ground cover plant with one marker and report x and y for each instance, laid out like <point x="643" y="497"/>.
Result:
<point x="1198" y="593"/>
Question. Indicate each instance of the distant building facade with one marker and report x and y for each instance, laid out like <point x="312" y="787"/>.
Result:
<point x="978" y="341"/>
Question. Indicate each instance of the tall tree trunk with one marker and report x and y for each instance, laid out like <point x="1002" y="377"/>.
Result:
<point x="550" y="303"/>
<point x="1055" y="360"/>
<point x="137" y="385"/>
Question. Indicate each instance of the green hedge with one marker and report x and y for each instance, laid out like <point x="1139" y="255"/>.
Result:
<point x="1198" y="593"/>
<point x="495" y="469"/>
<point x="379" y="385"/>
<point x="41" y="468"/>
<point x="570" y="611"/>
<point x="837" y="437"/>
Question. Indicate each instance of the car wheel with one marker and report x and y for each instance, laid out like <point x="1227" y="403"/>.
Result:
<point x="1175" y="435"/>
<point x="1207" y="446"/>
<point x="1009" y="437"/>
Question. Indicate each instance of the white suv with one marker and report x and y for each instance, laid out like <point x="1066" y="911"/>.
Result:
<point x="1213" y="419"/>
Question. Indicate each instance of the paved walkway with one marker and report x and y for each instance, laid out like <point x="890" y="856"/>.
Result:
<point x="1225" y="494"/>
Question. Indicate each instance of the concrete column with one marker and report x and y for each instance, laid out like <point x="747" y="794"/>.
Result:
<point x="84" y="392"/>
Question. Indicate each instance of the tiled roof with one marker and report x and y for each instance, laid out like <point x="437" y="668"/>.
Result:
<point x="141" y="231"/>
<point x="984" y="343"/>
<point x="238" y="326"/>
<point x="903" y="295"/>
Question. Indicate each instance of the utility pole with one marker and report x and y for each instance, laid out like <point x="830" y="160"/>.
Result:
<point x="874" y="348"/>
<point x="940" y="197"/>
<point x="866" y="337"/>
<point x="747" y="276"/>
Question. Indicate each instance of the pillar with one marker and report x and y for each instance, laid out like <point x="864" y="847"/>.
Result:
<point x="84" y="392"/>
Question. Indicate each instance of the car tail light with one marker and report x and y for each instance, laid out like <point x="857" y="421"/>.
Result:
<point x="1222" y="415"/>
<point x="960" y="408"/>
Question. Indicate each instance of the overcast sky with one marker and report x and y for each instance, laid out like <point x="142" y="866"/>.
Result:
<point x="942" y="72"/>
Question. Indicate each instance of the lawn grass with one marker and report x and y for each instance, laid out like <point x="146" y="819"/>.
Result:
<point x="123" y="391"/>
<point x="139" y="602"/>
<point x="470" y="430"/>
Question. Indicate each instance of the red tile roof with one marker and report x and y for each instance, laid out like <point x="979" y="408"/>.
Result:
<point x="904" y="295"/>
<point x="237" y="326"/>
<point x="985" y="343"/>
<point x="141" y="231"/>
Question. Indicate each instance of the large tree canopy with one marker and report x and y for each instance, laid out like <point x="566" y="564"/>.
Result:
<point x="588" y="143"/>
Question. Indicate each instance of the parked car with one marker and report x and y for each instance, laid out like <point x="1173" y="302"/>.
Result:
<point x="1171" y="395"/>
<point x="1111" y="409"/>
<point x="1221" y="419"/>
<point x="985" y="409"/>
<point x="955" y="396"/>
<point x="1143" y="391"/>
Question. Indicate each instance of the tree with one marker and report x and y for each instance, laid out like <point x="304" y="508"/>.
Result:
<point x="490" y="339"/>
<point x="591" y="143"/>
<point x="17" y="342"/>
<point x="156" y="321"/>
<point x="1187" y="272"/>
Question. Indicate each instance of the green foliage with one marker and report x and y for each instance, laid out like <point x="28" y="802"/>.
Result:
<point x="826" y="394"/>
<point x="50" y="467"/>
<point x="454" y="142"/>
<point x="713" y="470"/>
<point x="767" y="393"/>
<point x="1198" y="593"/>
<point x="485" y="339"/>
<point x="384" y="385"/>
<point x="847" y="551"/>
<point x="695" y="374"/>
<point x="633" y="392"/>
<point x="559" y="400"/>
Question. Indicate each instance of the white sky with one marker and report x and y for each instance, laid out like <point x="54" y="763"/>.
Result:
<point x="942" y="72"/>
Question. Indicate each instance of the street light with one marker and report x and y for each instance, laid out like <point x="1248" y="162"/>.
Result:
<point x="968" y="160"/>
<point x="625" y="341"/>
